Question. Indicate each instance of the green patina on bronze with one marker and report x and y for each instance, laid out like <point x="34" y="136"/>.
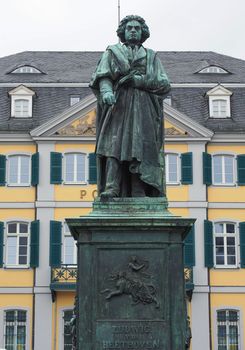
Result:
<point x="130" y="287"/>
<point x="130" y="83"/>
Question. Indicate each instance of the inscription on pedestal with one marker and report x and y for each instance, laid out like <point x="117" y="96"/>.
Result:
<point x="132" y="335"/>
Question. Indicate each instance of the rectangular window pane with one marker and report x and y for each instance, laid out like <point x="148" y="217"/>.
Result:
<point x="23" y="228"/>
<point x="12" y="228"/>
<point x="231" y="241"/>
<point x="172" y="167"/>
<point x="69" y="250"/>
<point x="11" y="250"/>
<point x="24" y="170"/>
<point x="217" y="165"/>
<point x="219" y="228"/>
<point x="23" y="242"/>
<point x="231" y="250"/>
<point x="9" y="337"/>
<point x="21" y="337"/>
<point x="231" y="260"/>
<point x="220" y="260"/>
<point x="21" y="316"/>
<point x="13" y="170"/>
<point x="219" y="241"/>
<point x="230" y="228"/>
<point x="80" y="167"/>
<point x="67" y="331"/>
<point x="228" y="169"/>
<point x="69" y="161"/>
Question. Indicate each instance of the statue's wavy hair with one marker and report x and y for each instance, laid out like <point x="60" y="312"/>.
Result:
<point x="122" y="25"/>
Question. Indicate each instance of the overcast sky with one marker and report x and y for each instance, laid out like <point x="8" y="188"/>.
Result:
<point x="90" y="25"/>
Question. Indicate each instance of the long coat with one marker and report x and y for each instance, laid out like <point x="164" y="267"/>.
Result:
<point x="132" y="130"/>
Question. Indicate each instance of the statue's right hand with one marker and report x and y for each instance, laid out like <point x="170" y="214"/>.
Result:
<point x="109" y="98"/>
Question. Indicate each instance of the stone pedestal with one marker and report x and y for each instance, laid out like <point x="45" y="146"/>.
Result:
<point x="131" y="292"/>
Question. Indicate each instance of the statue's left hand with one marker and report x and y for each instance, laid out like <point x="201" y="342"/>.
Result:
<point x="133" y="80"/>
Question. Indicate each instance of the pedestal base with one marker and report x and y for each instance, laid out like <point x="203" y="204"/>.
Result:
<point x="130" y="286"/>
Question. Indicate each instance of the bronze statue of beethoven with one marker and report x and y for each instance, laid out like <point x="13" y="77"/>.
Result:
<point x="130" y="83"/>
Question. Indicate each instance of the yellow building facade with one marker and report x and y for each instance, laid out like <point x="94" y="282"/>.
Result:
<point x="47" y="175"/>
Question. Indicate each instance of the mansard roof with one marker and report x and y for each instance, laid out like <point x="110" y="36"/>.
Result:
<point x="52" y="99"/>
<point x="77" y="67"/>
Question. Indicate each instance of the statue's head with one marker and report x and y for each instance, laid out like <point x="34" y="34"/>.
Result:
<point x="133" y="29"/>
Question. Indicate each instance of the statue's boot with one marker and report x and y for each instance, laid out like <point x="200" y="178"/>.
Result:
<point x="137" y="186"/>
<point x="113" y="179"/>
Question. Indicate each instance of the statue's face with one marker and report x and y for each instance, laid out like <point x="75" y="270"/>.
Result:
<point x="133" y="32"/>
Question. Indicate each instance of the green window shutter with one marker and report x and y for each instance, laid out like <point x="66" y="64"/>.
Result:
<point x="92" y="168"/>
<point x="189" y="248"/>
<point x="186" y="168"/>
<point x="55" y="243"/>
<point x="242" y="243"/>
<point x="55" y="168"/>
<point x="207" y="168"/>
<point x="208" y="243"/>
<point x="2" y="170"/>
<point x="34" y="254"/>
<point x="241" y="169"/>
<point x="35" y="169"/>
<point x="1" y="243"/>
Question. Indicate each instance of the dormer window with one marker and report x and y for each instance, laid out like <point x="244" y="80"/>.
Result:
<point x="27" y="69"/>
<point x="213" y="70"/>
<point x="21" y="102"/>
<point x="21" y="108"/>
<point x="219" y="102"/>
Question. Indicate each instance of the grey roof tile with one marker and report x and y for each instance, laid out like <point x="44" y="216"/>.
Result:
<point x="77" y="67"/>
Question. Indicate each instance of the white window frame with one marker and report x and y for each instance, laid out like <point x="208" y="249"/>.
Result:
<point x="74" y="97"/>
<point x="66" y="233"/>
<point x="213" y="70"/>
<point x="18" y="235"/>
<point x="18" y="184"/>
<point x="219" y="92"/>
<point x="26" y="70"/>
<point x="168" y="182"/>
<point x="239" y="324"/>
<point x="86" y="164"/>
<point x="225" y="235"/>
<point x="27" y="331"/>
<point x="62" y="323"/>
<point x="13" y="106"/>
<point x="21" y="92"/>
<point x="223" y="183"/>
<point x="225" y="99"/>
<point x="22" y="114"/>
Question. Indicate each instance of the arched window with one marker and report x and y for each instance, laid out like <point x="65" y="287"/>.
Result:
<point x="213" y="70"/>
<point x="225" y="244"/>
<point x="27" y="69"/>
<point x="15" y="329"/>
<point x="228" y="332"/>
